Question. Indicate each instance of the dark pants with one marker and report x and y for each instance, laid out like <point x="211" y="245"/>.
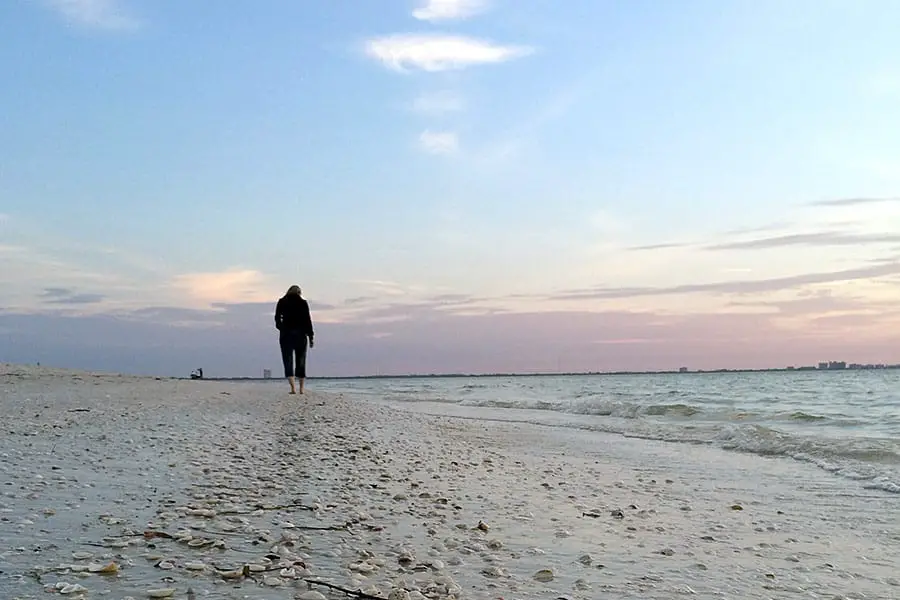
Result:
<point x="293" y="342"/>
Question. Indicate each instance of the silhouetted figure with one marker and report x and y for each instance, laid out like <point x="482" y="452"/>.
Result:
<point x="198" y="374"/>
<point x="293" y="321"/>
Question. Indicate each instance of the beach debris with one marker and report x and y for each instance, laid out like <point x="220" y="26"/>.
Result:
<point x="586" y="559"/>
<point x="617" y="514"/>
<point x="482" y="526"/>
<point x="69" y="588"/>
<point x="365" y="594"/>
<point x="544" y="576"/>
<point x="737" y="507"/>
<point x="161" y="593"/>
<point x="581" y="585"/>
<point x="493" y="571"/>
<point x="106" y="569"/>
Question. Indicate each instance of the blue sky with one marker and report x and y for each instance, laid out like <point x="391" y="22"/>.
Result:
<point x="441" y="174"/>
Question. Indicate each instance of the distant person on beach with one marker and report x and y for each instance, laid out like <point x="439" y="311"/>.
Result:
<point x="293" y="321"/>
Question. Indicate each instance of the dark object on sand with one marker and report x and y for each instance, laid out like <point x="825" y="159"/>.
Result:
<point x="198" y="374"/>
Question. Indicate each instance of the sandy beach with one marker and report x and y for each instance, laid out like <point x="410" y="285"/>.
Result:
<point x="128" y="487"/>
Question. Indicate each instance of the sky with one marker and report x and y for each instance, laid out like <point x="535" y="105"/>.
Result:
<point x="457" y="185"/>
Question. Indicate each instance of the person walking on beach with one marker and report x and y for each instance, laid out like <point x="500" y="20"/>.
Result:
<point x="294" y="323"/>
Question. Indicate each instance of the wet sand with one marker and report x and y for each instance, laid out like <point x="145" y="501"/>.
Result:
<point x="117" y="487"/>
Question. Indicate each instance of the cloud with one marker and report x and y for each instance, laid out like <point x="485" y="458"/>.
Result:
<point x="438" y="103"/>
<point x="56" y="292"/>
<point x="439" y="52"/>
<point x="605" y="222"/>
<point x="357" y="300"/>
<point x="95" y="14"/>
<point x="820" y="302"/>
<point x="853" y="201"/>
<point x="750" y="286"/>
<point x="231" y="286"/>
<point x="511" y="144"/>
<point x="820" y="238"/>
<point x="56" y="295"/>
<point x="439" y="142"/>
<point x="383" y="288"/>
<point x="80" y="299"/>
<point x="452" y="298"/>
<point x="660" y="246"/>
<point x="449" y="10"/>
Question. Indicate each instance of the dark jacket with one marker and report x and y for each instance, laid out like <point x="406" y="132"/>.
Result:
<point x="292" y="314"/>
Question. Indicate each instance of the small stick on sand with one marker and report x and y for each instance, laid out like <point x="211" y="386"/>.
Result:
<point x="349" y="592"/>
<point x="262" y="507"/>
<point x="343" y="527"/>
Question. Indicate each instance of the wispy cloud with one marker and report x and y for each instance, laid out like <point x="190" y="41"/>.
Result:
<point x="819" y="303"/>
<point x="853" y="201"/>
<point x="747" y="286"/>
<point x="819" y="238"/>
<point x="449" y="10"/>
<point x="439" y="142"/>
<point x="439" y="52"/>
<point x="96" y="14"/>
<point x="559" y="103"/>
<point x="659" y="246"/>
<point x="53" y="296"/>
<point x="438" y="103"/>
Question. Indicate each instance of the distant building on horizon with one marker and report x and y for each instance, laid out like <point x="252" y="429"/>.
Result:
<point x="833" y="365"/>
<point x="267" y="373"/>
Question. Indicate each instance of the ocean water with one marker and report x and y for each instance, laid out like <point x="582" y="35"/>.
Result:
<point x="845" y="422"/>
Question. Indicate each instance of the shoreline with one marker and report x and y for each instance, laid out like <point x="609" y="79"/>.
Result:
<point x="808" y="369"/>
<point x="803" y="369"/>
<point x="397" y="500"/>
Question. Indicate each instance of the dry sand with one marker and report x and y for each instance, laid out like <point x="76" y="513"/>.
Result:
<point x="238" y="490"/>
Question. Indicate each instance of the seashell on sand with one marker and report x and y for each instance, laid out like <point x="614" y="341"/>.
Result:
<point x="106" y="569"/>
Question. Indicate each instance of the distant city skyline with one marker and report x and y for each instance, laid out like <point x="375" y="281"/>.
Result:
<point x="457" y="185"/>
